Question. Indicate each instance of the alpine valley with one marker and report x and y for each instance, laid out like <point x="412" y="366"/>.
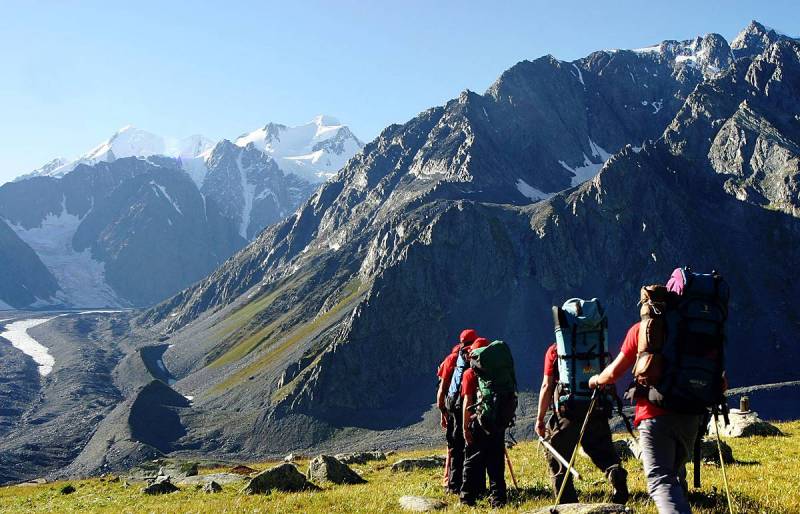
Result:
<point x="588" y="178"/>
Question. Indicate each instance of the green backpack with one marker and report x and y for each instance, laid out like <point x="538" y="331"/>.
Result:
<point x="497" y="386"/>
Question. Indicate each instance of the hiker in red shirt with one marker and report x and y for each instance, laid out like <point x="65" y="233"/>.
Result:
<point x="666" y="437"/>
<point x="484" y="452"/>
<point x="448" y="399"/>
<point x="562" y="430"/>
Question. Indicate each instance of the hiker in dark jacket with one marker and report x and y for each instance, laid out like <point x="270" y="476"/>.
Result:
<point x="484" y="452"/>
<point x="666" y="437"/>
<point x="562" y="429"/>
<point x="448" y="399"/>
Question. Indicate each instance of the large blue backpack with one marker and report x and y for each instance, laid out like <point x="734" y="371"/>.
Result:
<point x="694" y="345"/>
<point x="582" y="345"/>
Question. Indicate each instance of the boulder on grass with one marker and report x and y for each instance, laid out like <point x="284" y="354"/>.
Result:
<point x="220" y="478"/>
<point x="212" y="488"/>
<point x="421" y="504"/>
<point x="360" y="457"/>
<point x="283" y="477"/>
<point x="744" y="424"/>
<point x="328" y="469"/>
<point x="433" y="461"/>
<point x="584" y="508"/>
<point x="710" y="453"/>
<point x="627" y="449"/>
<point x="161" y="485"/>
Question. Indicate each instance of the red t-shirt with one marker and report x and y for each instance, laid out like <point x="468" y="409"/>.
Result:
<point x="445" y="370"/>
<point x="550" y="362"/>
<point x="469" y="383"/>
<point x="630" y="347"/>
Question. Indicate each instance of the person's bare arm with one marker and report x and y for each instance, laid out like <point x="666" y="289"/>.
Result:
<point x="469" y="400"/>
<point x="613" y="371"/>
<point x="545" y="399"/>
<point x="440" y="396"/>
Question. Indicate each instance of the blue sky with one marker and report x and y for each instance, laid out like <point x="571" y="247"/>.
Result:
<point x="74" y="72"/>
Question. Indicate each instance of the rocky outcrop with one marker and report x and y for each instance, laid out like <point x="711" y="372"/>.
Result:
<point x="212" y="488"/>
<point x="743" y="424"/>
<point x="283" y="477"/>
<point x="421" y="463"/>
<point x="360" y="457"/>
<point x="325" y="468"/>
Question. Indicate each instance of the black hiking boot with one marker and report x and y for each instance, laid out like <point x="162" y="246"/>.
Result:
<point x="618" y="478"/>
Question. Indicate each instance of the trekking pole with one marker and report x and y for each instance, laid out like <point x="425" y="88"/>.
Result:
<point x="722" y="464"/>
<point x="511" y="469"/>
<point x="446" y="478"/>
<point x="554" y="510"/>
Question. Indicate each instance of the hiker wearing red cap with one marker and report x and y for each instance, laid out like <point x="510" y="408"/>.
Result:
<point x="448" y="399"/>
<point x="485" y="445"/>
<point x="684" y="320"/>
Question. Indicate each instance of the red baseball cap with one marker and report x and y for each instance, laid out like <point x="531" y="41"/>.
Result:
<point x="479" y="343"/>
<point x="468" y="336"/>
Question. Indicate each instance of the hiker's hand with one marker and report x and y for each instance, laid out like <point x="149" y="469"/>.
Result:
<point x="540" y="427"/>
<point x="468" y="437"/>
<point x="594" y="382"/>
<point x="444" y="421"/>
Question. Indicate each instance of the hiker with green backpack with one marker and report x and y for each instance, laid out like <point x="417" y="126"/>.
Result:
<point x="580" y="350"/>
<point x="489" y="390"/>
<point x="677" y="355"/>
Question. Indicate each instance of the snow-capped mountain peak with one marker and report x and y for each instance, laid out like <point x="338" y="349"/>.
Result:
<point x="315" y="150"/>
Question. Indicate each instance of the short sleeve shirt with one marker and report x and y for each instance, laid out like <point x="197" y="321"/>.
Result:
<point x="551" y="362"/>
<point x="469" y="383"/>
<point x="448" y="365"/>
<point x="630" y="347"/>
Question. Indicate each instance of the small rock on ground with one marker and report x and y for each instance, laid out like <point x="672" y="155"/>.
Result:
<point x="161" y="485"/>
<point x="360" y="457"/>
<point x="283" y="477"/>
<point x="421" y="504"/>
<point x="584" y="508"/>
<point x="710" y="452"/>
<point x="212" y="487"/>
<point x="328" y="469"/>
<point x="422" y="463"/>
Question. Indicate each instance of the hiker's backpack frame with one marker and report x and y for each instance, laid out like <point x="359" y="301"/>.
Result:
<point x="453" y="400"/>
<point x="581" y="332"/>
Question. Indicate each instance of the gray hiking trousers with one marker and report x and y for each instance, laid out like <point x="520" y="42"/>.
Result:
<point x="667" y="442"/>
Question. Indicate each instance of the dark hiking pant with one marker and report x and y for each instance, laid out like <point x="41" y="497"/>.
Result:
<point x="667" y="443"/>
<point x="485" y="456"/>
<point x="563" y="435"/>
<point x="455" y="448"/>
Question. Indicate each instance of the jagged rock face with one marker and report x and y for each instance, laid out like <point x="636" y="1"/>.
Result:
<point x="751" y="118"/>
<point x="23" y="277"/>
<point x="250" y="188"/>
<point x="426" y="232"/>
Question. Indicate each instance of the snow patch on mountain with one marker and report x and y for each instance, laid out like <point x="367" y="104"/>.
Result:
<point x="80" y="277"/>
<point x="17" y="334"/>
<point x="531" y="192"/>
<point x="589" y="168"/>
<point x="163" y="190"/>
